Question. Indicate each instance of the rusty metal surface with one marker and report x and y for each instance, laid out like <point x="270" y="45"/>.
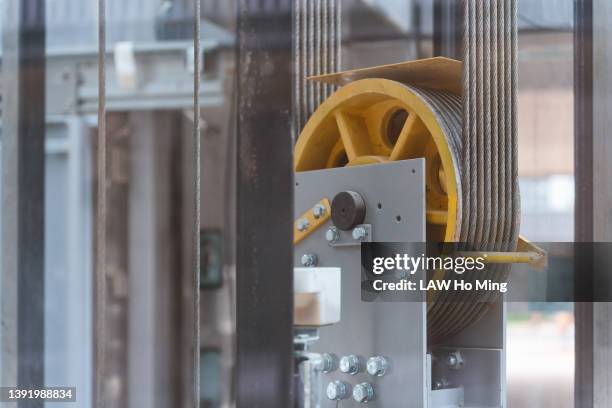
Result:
<point x="264" y="252"/>
<point x="23" y="177"/>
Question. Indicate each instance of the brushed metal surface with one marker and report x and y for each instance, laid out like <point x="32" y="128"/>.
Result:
<point x="394" y="330"/>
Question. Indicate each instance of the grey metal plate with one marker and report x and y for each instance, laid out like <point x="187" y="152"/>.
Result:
<point x="394" y="330"/>
<point x="482" y="375"/>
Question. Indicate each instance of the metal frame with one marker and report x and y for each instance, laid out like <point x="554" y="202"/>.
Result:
<point x="264" y="223"/>
<point x="583" y="151"/>
<point x="23" y="172"/>
<point x="368" y="329"/>
<point x="600" y="82"/>
<point x="593" y="147"/>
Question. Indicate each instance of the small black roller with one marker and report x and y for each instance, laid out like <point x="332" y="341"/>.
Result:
<point x="348" y="210"/>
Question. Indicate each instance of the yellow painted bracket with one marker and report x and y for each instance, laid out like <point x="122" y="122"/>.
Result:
<point x="312" y="219"/>
<point x="526" y="253"/>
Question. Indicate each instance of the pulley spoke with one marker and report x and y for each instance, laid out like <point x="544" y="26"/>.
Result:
<point x="354" y="135"/>
<point x="401" y="150"/>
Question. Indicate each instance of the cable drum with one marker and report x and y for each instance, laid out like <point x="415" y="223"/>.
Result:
<point x="433" y="129"/>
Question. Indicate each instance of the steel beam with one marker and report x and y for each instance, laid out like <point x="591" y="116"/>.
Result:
<point x="602" y="194"/>
<point x="264" y="226"/>
<point x="23" y="176"/>
<point x="593" y="146"/>
<point x="583" y="158"/>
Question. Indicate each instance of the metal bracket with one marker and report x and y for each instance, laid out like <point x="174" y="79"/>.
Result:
<point x="312" y="219"/>
<point x="526" y="253"/>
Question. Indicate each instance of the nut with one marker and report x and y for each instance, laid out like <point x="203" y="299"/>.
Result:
<point x="309" y="260"/>
<point x="350" y="364"/>
<point x="336" y="391"/>
<point x="363" y="392"/>
<point x="360" y="233"/>
<point x="332" y="235"/>
<point x="302" y="224"/>
<point x="454" y="360"/>
<point x="377" y="366"/>
<point x="318" y="210"/>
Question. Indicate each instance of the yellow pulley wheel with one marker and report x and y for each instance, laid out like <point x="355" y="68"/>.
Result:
<point x="379" y="120"/>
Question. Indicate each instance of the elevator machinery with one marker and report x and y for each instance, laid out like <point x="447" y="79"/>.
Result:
<point x="422" y="151"/>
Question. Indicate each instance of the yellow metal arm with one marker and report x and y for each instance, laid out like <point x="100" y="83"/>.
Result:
<point x="526" y="253"/>
<point x="312" y="219"/>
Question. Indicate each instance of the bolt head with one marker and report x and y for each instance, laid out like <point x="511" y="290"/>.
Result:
<point x="309" y="260"/>
<point x="454" y="360"/>
<point x="363" y="392"/>
<point x="318" y="210"/>
<point x="377" y="366"/>
<point x="336" y="390"/>
<point x="349" y="364"/>
<point x="302" y="224"/>
<point x="332" y="235"/>
<point x="359" y="233"/>
<point x="327" y="363"/>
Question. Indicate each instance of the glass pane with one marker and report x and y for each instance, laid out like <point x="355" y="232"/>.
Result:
<point x="150" y="192"/>
<point x="541" y="335"/>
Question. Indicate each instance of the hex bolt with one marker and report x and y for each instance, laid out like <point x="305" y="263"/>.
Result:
<point x="337" y="390"/>
<point x="318" y="210"/>
<point x="377" y="366"/>
<point x="332" y="235"/>
<point x="360" y="233"/>
<point x="350" y="364"/>
<point x="454" y="360"/>
<point x="363" y="392"/>
<point x="309" y="260"/>
<point x="327" y="363"/>
<point x="302" y="224"/>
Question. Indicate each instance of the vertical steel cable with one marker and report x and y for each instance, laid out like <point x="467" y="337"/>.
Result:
<point x="490" y="195"/>
<point x="197" y="62"/>
<point x="326" y="48"/>
<point x="310" y="55"/>
<point x="333" y="10"/>
<point x="319" y="50"/>
<point x="100" y="292"/>
<point x="514" y="98"/>
<point x="495" y="110"/>
<point x="297" y="66"/>
<point x="338" y="39"/>
<point x="304" y="89"/>
<point x="508" y="107"/>
<point x="486" y="214"/>
<point x="480" y="134"/>
<point x="316" y="51"/>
